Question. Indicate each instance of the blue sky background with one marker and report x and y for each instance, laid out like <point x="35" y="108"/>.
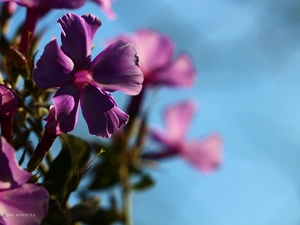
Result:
<point x="248" y="61"/>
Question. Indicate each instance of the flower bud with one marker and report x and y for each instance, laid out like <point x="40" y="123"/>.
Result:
<point x="8" y="108"/>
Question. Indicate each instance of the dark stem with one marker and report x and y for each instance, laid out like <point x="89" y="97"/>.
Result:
<point x="7" y="128"/>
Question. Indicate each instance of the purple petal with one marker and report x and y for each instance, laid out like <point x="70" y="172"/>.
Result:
<point x="58" y="4"/>
<point x="116" y="68"/>
<point x="206" y="154"/>
<point x="154" y="50"/>
<point x="178" y="118"/>
<point x="54" y="68"/>
<point x="26" y="3"/>
<point x="52" y="126"/>
<point x="101" y="112"/>
<point x="180" y="73"/>
<point x="77" y="36"/>
<point x="161" y="136"/>
<point x="11" y="174"/>
<point x="28" y="199"/>
<point x="66" y="102"/>
<point x="62" y="4"/>
<point x="106" y="7"/>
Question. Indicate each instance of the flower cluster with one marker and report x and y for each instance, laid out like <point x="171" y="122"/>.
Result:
<point x="45" y="107"/>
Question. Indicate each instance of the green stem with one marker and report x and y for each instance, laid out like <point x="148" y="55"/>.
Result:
<point x="126" y="193"/>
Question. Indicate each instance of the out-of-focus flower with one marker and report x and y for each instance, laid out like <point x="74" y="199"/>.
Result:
<point x="8" y="108"/>
<point x="45" y="6"/>
<point x="38" y="8"/>
<point x="205" y="154"/>
<point x="84" y="82"/>
<point x="8" y="9"/>
<point x="106" y="7"/>
<point x="156" y="60"/>
<point x="17" y="197"/>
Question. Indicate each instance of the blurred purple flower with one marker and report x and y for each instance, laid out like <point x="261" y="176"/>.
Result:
<point x="106" y="7"/>
<point x="204" y="154"/>
<point x="45" y="6"/>
<point x="38" y="8"/>
<point x="8" y="108"/>
<point x="156" y="60"/>
<point x="17" y="197"/>
<point x="84" y="82"/>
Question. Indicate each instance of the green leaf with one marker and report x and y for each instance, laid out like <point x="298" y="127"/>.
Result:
<point x="74" y="154"/>
<point x="144" y="183"/>
<point x="107" y="175"/>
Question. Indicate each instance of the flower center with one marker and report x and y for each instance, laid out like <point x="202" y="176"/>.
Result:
<point x="82" y="78"/>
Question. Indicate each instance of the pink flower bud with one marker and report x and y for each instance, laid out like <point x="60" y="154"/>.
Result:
<point x="8" y="108"/>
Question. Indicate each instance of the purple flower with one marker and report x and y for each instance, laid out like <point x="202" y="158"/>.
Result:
<point x="156" y="60"/>
<point x="17" y="197"/>
<point x="84" y="82"/>
<point x="205" y="154"/>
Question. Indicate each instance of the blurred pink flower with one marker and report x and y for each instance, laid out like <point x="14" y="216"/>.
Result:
<point x="155" y="53"/>
<point x="205" y="154"/>
<point x="17" y="197"/>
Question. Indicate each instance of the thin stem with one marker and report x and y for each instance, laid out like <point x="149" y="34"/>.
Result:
<point x="126" y="193"/>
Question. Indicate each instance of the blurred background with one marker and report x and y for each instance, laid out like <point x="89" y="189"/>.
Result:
<point x="248" y="60"/>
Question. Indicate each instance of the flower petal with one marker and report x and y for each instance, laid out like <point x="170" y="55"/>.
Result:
<point x="178" y="118"/>
<point x="52" y="126"/>
<point x="101" y="112"/>
<point x="54" y="68"/>
<point x="26" y="3"/>
<point x="116" y="68"/>
<point x="77" y="36"/>
<point x="66" y="102"/>
<point x="161" y="136"/>
<point x="155" y="50"/>
<point x="206" y="154"/>
<point x="106" y="7"/>
<point x="12" y="174"/>
<point x="58" y="4"/>
<point x="28" y="199"/>
<point x="179" y="73"/>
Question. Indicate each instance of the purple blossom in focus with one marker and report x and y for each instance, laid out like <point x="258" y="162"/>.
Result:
<point x="156" y="60"/>
<point x="17" y="197"/>
<point x="205" y="154"/>
<point x="86" y="82"/>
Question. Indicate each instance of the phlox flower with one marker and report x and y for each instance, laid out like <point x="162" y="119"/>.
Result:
<point x="17" y="197"/>
<point x="204" y="154"/>
<point x="159" y="67"/>
<point x="85" y="82"/>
